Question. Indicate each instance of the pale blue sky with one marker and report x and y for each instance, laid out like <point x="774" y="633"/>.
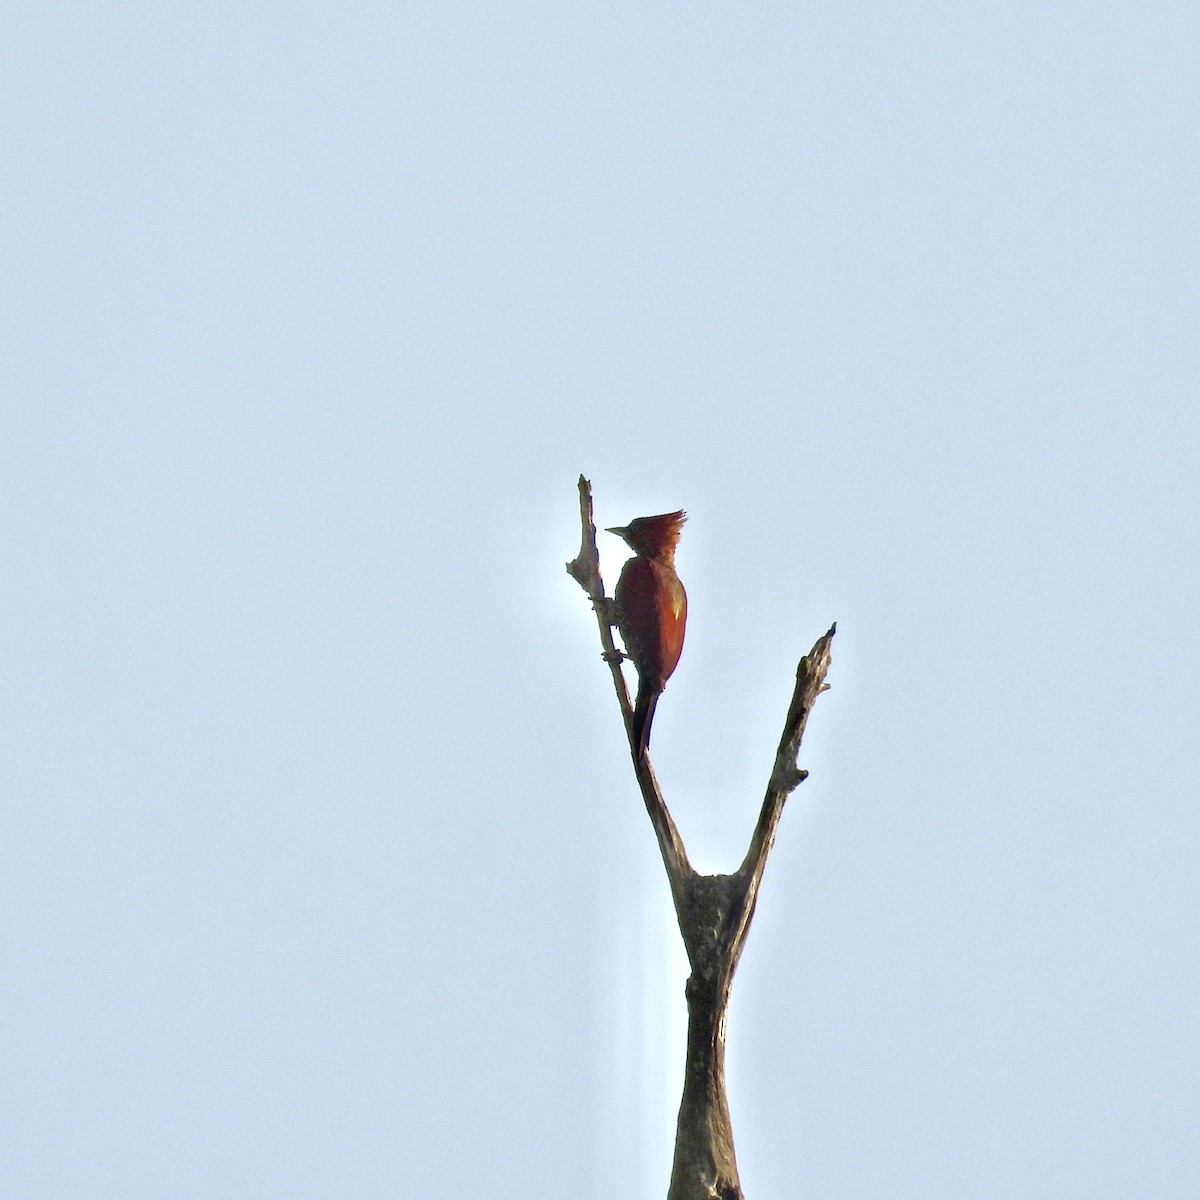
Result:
<point x="323" y="871"/>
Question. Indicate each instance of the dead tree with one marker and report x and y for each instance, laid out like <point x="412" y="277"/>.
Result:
<point x="714" y="911"/>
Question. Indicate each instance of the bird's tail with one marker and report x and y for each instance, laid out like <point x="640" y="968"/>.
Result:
<point x="643" y="715"/>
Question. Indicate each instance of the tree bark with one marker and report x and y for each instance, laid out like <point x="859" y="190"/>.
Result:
<point x="705" y="1163"/>
<point x="713" y="911"/>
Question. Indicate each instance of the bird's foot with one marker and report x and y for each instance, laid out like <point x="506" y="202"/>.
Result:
<point x="606" y="610"/>
<point x="615" y="656"/>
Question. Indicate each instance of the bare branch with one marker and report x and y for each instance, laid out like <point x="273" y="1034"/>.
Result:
<point x="585" y="567"/>
<point x="585" y="570"/>
<point x="786" y="775"/>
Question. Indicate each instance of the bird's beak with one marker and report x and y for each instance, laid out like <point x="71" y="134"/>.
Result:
<point x="619" y="530"/>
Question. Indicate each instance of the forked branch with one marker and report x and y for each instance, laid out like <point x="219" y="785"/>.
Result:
<point x="714" y="911"/>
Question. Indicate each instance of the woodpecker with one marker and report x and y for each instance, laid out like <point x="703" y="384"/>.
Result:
<point x="651" y="611"/>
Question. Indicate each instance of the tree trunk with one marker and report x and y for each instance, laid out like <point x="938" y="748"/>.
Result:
<point x="705" y="1165"/>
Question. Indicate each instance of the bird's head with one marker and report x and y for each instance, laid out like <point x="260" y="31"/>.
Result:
<point x="652" y="537"/>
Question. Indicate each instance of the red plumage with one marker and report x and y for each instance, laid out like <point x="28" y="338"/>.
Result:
<point x="651" y="608"/>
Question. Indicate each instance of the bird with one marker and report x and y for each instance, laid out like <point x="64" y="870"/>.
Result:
<point x="651" y="612"/>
